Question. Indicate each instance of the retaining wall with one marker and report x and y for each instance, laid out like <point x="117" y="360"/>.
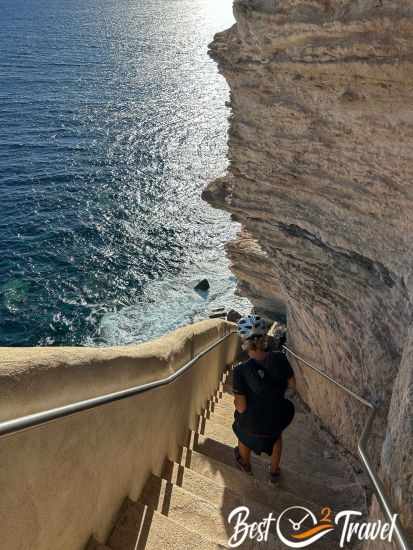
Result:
<point x="61" y="482"/>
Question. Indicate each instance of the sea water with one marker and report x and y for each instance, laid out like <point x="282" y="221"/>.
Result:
<point x="112" y="121"/>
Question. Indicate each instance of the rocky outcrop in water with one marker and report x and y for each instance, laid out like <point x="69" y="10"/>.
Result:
<point x="320" y="176"/>
<point x="202" y="285"/>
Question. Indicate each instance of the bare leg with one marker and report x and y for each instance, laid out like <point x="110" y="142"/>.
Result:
<point x="245" y="453"/>
<point x="276" y="455"/>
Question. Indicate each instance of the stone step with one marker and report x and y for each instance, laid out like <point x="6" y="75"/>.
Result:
<point x="187" y="507"/>
<point x="324" y="493"/>
<point x="266" y="493"/>
<point x="221" y="493"/>
<point x="226" y="398"/>
<point x="226" y="387"/>
<point x="93" y="544"/>
<point x="301" y="424"/>
<point x="297" y="457"/>
<point x="224" y="499"/>
<point x="197" y="514"/>
<point x="308" y="441"/>
<point x="225" y="421"/>
<point x="140" y="527"/>
<point x="225" y="401"/>
<point x="226" y="417"/>
<point x="303" y="438"/>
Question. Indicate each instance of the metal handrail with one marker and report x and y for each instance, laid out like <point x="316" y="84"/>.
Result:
<point x="24" y="423"/>
<point x="18" y="425"/>
<point x="362" y="451"/>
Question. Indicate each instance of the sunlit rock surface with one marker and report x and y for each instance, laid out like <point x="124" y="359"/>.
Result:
<point x="321" y="176"/>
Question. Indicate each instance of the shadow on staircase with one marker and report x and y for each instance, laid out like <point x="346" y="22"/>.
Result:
<point x="188" y="504"/>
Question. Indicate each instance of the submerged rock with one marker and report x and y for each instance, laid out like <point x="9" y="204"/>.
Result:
<point x="233" y="316"/>
<point x="14" y="294"/>
<point x="218" y="312"/>
<point x="218" y="315"/>
<point x="202" y="285"/>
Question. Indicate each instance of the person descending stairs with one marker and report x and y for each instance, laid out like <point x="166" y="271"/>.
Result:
<point x="204" y="501"/>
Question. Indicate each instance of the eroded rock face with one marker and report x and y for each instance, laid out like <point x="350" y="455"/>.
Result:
<point x="321" y="177"/>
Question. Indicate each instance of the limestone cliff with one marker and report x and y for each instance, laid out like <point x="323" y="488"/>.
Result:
<point x="321" y="178"/>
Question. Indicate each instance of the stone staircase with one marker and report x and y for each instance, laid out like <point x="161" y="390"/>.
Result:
<point x="188" y="505"/>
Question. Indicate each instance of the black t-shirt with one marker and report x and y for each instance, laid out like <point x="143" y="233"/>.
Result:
<point x="264" y="385"/>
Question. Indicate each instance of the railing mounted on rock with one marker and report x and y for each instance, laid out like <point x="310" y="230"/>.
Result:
<point x="402" y="541"/>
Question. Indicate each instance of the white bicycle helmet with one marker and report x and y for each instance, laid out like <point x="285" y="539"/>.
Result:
<point x="252" y="325"/>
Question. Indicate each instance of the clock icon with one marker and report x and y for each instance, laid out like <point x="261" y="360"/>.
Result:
<point x="297" y="527"/>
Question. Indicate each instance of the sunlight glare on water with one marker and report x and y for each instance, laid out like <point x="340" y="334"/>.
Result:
<point x="113" y="121"/>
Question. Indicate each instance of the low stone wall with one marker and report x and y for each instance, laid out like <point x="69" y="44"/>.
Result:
<point x="66" y="480"/>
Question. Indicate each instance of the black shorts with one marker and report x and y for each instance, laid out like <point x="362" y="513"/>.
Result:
<point x="264" y="444"/>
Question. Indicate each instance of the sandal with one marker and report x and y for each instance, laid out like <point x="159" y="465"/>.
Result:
<point x="241" y="464"/>
<point x="275" y="476"/>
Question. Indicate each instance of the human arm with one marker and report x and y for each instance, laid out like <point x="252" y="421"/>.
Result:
<point x="240" y="402"/>
<point x="291" y="388"/>
<point x="239" y="390"/>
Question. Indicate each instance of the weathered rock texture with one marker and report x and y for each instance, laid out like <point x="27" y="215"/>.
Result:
<point x="321" y="176"/>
